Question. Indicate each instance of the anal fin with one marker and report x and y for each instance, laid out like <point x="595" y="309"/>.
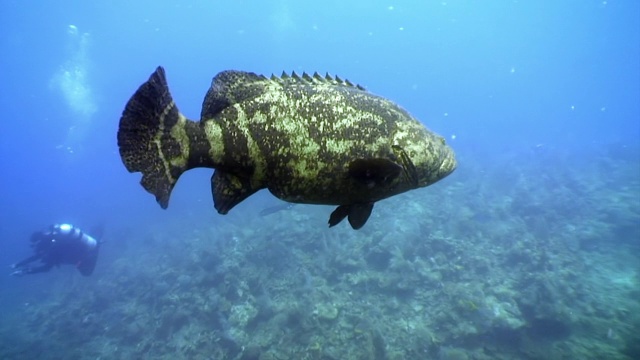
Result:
<point x="229" y="190"/>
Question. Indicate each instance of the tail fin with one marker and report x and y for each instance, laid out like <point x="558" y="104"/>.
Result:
<point x="151" y="137"/>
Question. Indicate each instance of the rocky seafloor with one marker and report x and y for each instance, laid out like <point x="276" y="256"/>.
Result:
<point x="535" y="256"/>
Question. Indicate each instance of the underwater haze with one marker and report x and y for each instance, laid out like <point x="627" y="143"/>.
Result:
<point x="529" y="250"/>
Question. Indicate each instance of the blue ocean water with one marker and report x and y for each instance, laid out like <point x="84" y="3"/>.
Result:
<point x="529" y="250"/>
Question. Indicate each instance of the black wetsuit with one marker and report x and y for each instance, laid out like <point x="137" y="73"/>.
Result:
<point x="61" y="244"/>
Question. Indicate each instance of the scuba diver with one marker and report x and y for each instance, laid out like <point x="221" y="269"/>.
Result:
<point x="60" y="244"/>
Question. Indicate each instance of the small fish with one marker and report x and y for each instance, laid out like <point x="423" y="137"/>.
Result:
<point x="276" y="208"/>
<point x="307" y="138"/>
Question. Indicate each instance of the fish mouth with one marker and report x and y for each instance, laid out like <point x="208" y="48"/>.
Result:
<point x="448" y="163"/>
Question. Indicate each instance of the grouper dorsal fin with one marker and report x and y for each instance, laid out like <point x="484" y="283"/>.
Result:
<point x="315" y="79"/>
<point x="231" y="87"/>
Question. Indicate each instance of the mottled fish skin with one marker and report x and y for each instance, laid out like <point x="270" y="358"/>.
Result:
<point x="308" y="139"/>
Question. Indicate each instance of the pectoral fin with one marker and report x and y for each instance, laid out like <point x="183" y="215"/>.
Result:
<point x="409" y="168"/>
<point x="358" y="214"/>
<point x="373" y="172"/>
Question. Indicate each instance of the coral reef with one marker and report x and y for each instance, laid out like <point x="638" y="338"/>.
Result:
<point x="487" y="265"/>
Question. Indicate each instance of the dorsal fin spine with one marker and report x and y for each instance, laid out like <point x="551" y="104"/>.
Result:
<point x="306" y="77"/>
<point x="316" y="78"/>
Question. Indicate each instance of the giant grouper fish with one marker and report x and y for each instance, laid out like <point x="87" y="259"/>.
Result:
<point x="307" y="138"/>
